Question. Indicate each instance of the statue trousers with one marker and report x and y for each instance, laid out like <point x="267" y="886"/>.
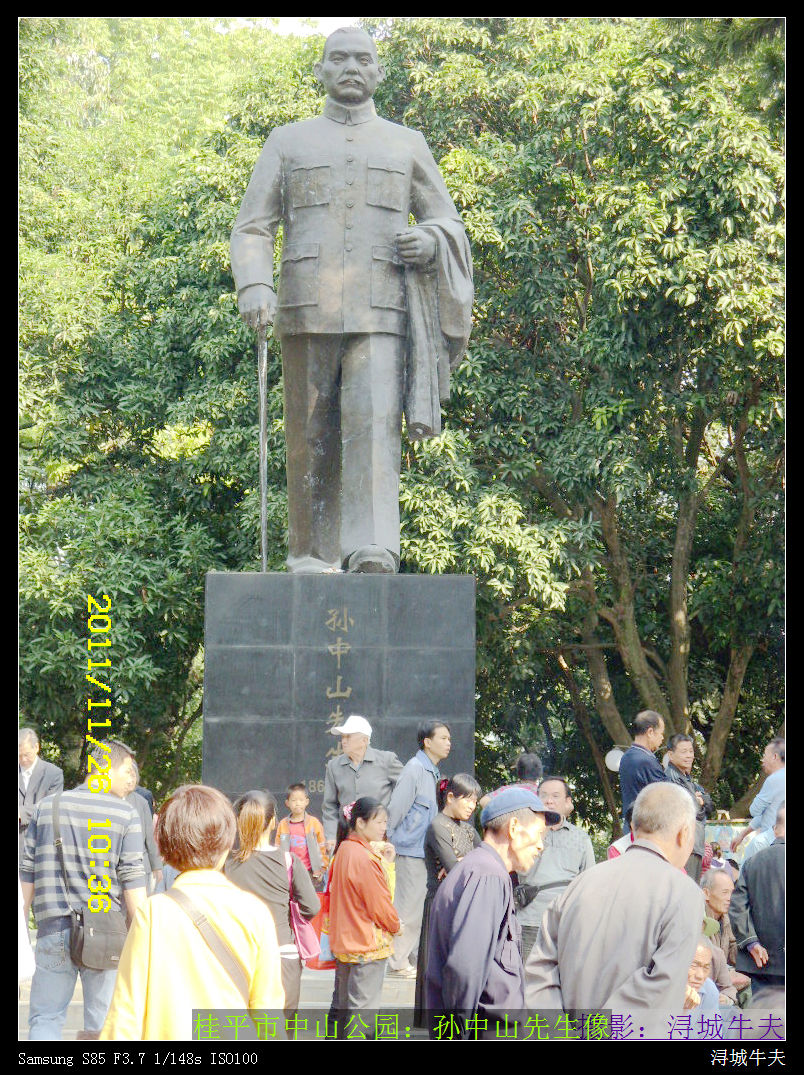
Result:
<point x="343" y="419"/>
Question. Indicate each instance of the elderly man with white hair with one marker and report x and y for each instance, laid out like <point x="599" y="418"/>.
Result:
<point x="358" y="771"/>
<point x="717" y="887"/>
<point x="623" y="934"/>
<point x="36" y="780"/>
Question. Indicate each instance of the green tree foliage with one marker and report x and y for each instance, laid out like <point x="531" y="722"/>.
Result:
<point x="625" y="373"/>
<point x="748" y="54"/>
<point x="611" y="462"/>
<point x="137" y="396"/>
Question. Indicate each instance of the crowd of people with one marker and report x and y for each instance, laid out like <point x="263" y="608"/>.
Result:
<point x="496" y="920"/>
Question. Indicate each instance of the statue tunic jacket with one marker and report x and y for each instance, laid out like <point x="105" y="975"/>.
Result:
<point x="344" y="185"/>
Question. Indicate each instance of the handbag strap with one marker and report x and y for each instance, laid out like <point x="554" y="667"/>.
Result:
<point x="291" y="894"/>
<point x="527" y="893"/>
<point x="57" y="841"/>
<point x="228" y="960"/>
<point x="329" y="875"/>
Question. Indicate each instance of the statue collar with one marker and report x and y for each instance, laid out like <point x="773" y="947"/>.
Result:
<point x="350" y="114"/>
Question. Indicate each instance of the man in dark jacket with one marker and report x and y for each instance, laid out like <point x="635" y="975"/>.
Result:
<point x="638" y="766"/>
<point x="757" y="917"/>
<point x="681" y="756"/>
<point x="474" y="961"/>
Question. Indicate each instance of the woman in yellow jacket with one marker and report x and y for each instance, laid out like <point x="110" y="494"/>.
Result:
<point x="167" y="967"/>
<point x="362" y="917"/>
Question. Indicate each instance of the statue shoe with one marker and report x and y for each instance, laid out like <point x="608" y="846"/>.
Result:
<point x="374" y="560"/>
<point x="310" y="565"/>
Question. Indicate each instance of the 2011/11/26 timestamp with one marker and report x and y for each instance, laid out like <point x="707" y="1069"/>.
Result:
<point x="99" y="622"/>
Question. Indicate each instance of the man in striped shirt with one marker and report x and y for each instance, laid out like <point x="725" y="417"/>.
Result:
<point x="117" y="872"/>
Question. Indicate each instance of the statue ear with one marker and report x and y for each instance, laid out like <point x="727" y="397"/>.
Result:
<point x="317" y="70"/>
<point x="380" y="73"/>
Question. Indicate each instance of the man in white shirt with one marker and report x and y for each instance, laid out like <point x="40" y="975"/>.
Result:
<point x="765" y="805"/>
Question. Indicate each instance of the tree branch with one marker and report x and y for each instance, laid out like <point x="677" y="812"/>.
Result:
<point x="187" y="724"/>
<point x="585" y="724"/>
<point x="624" y="622"/>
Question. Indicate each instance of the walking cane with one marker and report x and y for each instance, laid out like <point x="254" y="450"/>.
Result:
<point x="262" y="374"/>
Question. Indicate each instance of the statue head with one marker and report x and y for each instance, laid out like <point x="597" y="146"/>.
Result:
<point x="349" y="69"/>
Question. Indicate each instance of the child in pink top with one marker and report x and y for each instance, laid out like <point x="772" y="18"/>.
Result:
<point x="302" y="834"/>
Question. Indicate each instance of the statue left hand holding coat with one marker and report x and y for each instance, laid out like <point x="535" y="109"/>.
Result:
<point x="371" y="314"/>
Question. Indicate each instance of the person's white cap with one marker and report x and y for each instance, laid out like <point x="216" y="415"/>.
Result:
<point x="354" y="724"/>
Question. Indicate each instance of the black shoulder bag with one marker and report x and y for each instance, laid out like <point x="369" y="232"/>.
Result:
<point x="96" y="937"/>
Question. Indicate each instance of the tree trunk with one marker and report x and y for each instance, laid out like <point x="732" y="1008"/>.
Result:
<point x="623" y="618"/>
<point x="604" y="694"/>
<point x="718" y="738"/>
<point x="678" y="664"/>
<point x="741" y="651"/>
<point x="585" y="724"/>
<point x="179" y="748"/>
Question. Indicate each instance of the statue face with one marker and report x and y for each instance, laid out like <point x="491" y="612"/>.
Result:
<point x="349" y="71"/>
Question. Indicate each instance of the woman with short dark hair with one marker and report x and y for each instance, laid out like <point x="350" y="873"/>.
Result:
<point x="168" y="967"/>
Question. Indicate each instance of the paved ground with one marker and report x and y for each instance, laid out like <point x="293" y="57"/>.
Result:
<point x="316" y="993"/>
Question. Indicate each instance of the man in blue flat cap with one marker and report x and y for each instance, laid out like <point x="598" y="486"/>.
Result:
<point x="474" y="976"/>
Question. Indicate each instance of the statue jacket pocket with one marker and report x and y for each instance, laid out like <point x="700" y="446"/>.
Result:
<point x="298" y="278"/>
<point x="387" y="279"/>
<point x="387" y="185"/>
<point x="310" y="185"/>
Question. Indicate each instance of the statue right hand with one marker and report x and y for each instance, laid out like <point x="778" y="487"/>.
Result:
<point x="257" y="305"/>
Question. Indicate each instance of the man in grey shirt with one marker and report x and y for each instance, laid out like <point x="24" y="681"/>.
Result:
<point x="412" y="807"/>
<point x="567" y="852"/>
<point x="359" y="771"/>
<point x="91" y="816"/>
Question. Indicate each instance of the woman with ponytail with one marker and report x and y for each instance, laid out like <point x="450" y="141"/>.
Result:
<point x="257" y="866"/>
<point x="362" y="917"/>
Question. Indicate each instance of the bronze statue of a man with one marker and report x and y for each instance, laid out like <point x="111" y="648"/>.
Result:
<point x="371" y="313"/>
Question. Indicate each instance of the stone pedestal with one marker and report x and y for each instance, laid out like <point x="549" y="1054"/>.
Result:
<point x="287" y="657"/>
